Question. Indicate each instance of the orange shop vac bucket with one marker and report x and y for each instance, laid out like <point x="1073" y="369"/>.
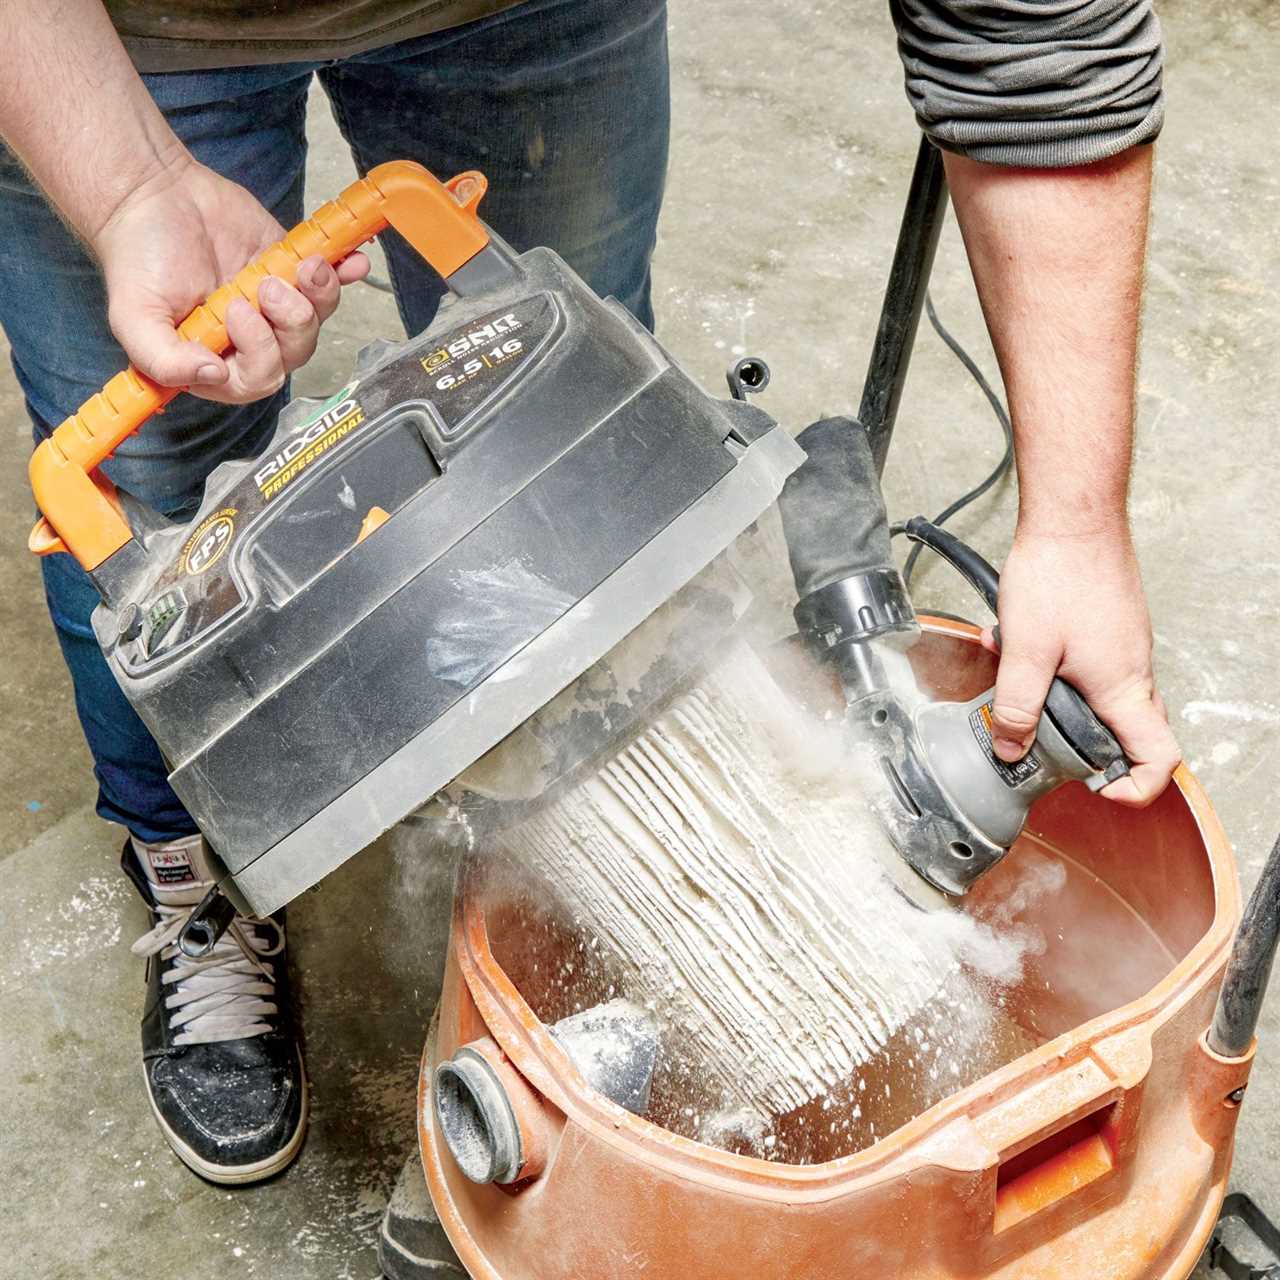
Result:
<point x="1104" y="1151"/>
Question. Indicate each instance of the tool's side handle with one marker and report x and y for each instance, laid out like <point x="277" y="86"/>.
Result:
<point x="81" y="514"/>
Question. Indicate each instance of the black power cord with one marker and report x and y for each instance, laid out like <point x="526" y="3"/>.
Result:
<point x="1002" y="415"/>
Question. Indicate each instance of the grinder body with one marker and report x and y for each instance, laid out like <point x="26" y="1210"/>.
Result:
<point x="993" y="795"/>
<point x="951" y="806"/>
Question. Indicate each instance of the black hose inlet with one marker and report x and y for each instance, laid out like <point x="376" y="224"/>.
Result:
<point x="206" y="924"/>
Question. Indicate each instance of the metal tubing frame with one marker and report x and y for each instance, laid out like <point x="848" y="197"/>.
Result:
<point x="1244" y="985"/>
<point x="922" y="220"/>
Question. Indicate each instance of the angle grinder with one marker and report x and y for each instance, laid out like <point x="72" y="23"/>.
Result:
<point x="950" y="805"/>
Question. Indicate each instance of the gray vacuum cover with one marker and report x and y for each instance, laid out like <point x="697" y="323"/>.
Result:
<point x="416" y="565"/>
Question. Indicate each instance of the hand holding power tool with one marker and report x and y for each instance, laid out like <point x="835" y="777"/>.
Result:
<point x="953" y="806"/>
<point x="169" y="244"/>
<point x="1072" y="601"/>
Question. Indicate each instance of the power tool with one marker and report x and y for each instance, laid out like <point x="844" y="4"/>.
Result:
<point x="414" y="566"/>
<point x="952" y="807"/>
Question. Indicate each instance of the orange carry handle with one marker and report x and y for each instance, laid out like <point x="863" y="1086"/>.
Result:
<point x="82" y="514"/>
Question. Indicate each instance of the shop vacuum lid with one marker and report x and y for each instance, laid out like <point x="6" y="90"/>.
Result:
<point x="414" y="566"/>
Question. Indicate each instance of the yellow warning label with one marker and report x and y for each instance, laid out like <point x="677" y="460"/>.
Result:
<point x="1012" y="773"/>
<point x="206" y="546"/>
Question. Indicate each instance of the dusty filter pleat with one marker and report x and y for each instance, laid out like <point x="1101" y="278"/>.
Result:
<point x="728" y="861"/>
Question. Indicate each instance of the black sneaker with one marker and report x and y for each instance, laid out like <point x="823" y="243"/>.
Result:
<point x="223" y="1069"/>
<point x="412" y="1244"/>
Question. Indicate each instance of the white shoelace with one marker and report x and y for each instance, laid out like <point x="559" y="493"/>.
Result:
<point x="225" y="995"/>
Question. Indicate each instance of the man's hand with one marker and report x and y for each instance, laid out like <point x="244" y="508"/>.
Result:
<point x="1072" y="604"/>
<point x="167" y="230"/>
<point x="169" y="244"/>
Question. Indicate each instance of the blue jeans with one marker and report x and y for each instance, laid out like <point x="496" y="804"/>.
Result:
<point x="562" y="103"/>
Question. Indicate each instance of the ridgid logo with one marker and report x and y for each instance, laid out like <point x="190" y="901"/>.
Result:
<point x="337" y="418"/>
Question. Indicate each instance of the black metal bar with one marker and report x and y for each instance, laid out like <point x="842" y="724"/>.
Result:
<point x="1235" y="1020"/>
<point x="922" y="221"/>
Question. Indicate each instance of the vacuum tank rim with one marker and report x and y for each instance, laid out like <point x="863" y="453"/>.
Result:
<point x="540" y="1059"/>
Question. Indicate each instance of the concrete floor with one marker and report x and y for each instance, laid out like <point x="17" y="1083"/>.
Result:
<point x="791" y="151"/>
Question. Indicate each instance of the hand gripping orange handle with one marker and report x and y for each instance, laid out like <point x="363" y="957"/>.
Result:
<point x="82" y="514"/>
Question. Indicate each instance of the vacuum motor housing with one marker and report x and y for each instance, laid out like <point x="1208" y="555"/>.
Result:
<point x="418" y="563"/>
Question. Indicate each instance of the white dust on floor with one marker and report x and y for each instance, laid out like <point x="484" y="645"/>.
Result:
<point x="1247" y="712"/>
<point x="347" y="1185"/>
<point x="88" y="922"/>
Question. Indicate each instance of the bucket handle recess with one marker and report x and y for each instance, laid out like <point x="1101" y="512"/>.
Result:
<point x="82" y="513"/>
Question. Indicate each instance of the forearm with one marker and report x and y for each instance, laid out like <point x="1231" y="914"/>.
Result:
<point x="165" y="229"/>
<point x="75" y="111"/>
<point x="1044" y="112"/>
<point x="1058" y="259"/>
<point x="1057" y="256"/>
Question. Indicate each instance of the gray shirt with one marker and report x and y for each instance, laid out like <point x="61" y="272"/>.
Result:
<point x="1042" y="83"/>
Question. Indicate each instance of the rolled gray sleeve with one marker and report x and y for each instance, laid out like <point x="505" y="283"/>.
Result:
<point x="1040" y="83"/>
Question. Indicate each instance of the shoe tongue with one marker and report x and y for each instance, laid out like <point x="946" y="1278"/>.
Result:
<point x="177" y="870"/>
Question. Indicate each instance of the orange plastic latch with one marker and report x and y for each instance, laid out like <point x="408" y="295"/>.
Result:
<point x="468" y="189"/>
<point x="90" y="511"/>
<point x="376" y="518"/>
<point x="44" y="540"/>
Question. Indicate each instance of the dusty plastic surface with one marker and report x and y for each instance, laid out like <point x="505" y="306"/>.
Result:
<point x="1103" y="1153"/>
<point x="552" y="478"/>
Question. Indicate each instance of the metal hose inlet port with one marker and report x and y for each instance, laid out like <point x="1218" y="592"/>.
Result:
<point x="496" y="1125"/>
<point x="476" y="1118"/>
